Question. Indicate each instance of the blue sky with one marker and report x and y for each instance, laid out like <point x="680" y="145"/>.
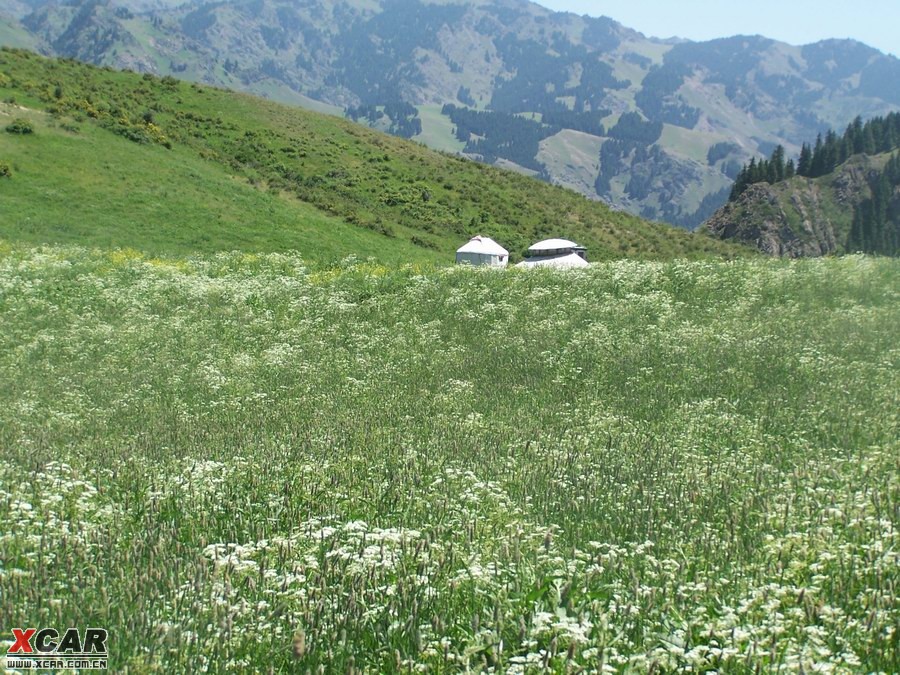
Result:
<point x="875" y="22"/>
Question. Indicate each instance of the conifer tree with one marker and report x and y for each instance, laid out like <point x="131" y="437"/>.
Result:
<point x="777" y="165"/>
<point x="868" y="143"/>
<point x="804" y="166"/>
<point x="855" y="134"/>
<point x="817" y="165"/>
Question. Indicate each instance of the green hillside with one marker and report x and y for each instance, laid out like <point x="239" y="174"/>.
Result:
<point x="81" y="184"/>
<point x="120" y="159"/>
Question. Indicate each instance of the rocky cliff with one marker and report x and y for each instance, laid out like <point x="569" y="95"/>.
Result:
<point x="801" y="217"/>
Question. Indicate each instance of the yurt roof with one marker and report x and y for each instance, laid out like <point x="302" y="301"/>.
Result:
<point x="553" y="245"/>
<point x="567" y="260"/>
<point x="483" y="246"/>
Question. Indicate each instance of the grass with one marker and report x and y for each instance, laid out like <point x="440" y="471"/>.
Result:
<point x="629" y="72"/>
<point x="437" y="130"/>
<point x="169" y="202"/>
<point x="421" y="203"/>
<point x="688" y="143"/>
<point x="572" y="154"/>
<point x="572" y="157"/>
<point x="654" y="51"/>
<point x="234" y="463"/>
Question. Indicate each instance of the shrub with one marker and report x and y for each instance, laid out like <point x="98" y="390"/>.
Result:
<point x="5" y="170"/>
<point x="424" y="243"/>
<point x="20" y="126"/>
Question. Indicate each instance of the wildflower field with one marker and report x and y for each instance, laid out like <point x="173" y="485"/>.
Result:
<point x="234" y="463"/>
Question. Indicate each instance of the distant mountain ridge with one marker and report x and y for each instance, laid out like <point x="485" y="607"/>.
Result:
<point x="657" y="128"/>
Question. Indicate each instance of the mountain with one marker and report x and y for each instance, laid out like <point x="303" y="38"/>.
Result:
<point x="843" y="195"/>
<point x="13" y="34"/>
<point x="658" y="128"/>
<point x="105" y="158"/>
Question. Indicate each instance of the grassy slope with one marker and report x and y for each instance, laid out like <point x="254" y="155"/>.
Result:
<point x="573" y="156"/>
<point x="393" y="190"/>
<point x="165" y="201"/>
<point x="437" y="130"/>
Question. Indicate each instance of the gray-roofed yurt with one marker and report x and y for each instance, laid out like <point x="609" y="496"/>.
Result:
<point x="482" y="251"/>
<point x="555" y="253"/>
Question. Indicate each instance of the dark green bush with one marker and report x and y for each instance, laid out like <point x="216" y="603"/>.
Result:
<point x="5" y="170"/>
<point x="424" y="243"/>
<point x="20" y="126"/>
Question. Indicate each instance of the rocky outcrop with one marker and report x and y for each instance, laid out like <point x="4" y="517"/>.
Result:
<point x="801" y="217"/>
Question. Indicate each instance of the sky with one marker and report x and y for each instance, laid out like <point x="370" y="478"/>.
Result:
<point x="875" y="22"/>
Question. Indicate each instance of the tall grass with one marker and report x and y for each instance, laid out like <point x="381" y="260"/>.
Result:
<point x="236" y="464"/>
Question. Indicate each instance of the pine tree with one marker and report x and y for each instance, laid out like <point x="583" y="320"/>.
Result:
<point x="845" y="149"/>
<point x="804" y="166"/>
<point x="855" y="134"/>
<point x="817" y="164"/>
<point x="868" y="144"/>
<point x="778" y="167"/>
<point x="831" y="152"/>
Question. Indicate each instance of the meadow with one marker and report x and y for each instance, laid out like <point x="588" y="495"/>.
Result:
<point x="234" y="462"/>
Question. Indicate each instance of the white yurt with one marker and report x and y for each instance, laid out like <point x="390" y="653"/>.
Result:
<point x="555" y="253"/>
<point x="482" y="251"/>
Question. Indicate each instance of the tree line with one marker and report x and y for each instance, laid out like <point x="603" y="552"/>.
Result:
<point x="631" y="135"/>
<point x="876" y="221"/>
<point x="494" y="135"/>
<point x="878" y="135"/>
<point x="404" y="117"/>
